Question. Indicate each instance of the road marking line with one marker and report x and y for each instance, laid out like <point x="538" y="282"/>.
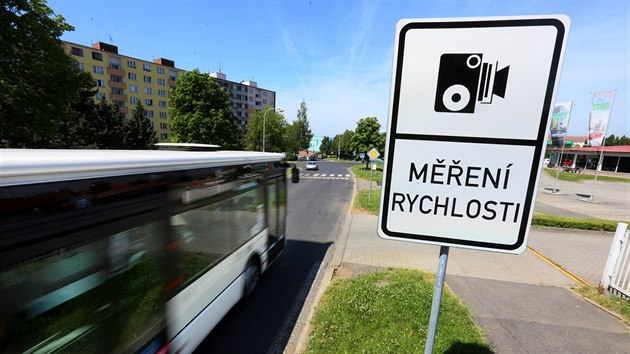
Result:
<point x="559" y="267"/>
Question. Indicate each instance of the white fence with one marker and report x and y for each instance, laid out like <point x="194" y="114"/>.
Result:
<point x="616" y="277"/>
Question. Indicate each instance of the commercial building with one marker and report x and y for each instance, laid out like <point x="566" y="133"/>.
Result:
<point x="126" y="81"/>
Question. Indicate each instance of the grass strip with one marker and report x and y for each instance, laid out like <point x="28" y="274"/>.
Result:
<point x="368" y="201"/>
<point x="576" y="177"/>
<point x="612" y="303"/>
<point x="388" y="312"/>
<point x="361" y="172"/>
<point x="371" y="205"/>
<point x="571" y="223"/>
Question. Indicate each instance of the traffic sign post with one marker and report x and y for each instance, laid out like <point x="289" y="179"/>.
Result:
<point x="373" y="154"/>
<point x="474" y="96"/>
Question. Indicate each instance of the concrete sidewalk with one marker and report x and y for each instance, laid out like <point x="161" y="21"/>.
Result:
<point x="523" y="303"/>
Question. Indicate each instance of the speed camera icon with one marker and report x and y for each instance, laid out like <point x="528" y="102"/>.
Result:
<point x="464" y="80"/>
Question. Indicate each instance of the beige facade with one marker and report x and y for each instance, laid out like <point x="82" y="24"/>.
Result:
<point x="126" y="81"/>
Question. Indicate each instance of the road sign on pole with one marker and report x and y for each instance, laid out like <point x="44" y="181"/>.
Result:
<point x="373" y="154"/>
<point x="469" y="109"/>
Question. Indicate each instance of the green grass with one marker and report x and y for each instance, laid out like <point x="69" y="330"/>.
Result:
<point x="612" y="303"/>
<point x="361" y="172"/>
<point x="371" y="207"/>
<point x="388" y="312"/>
<point x="367" y="202"/>
<point x="576" y="177"/>
<point x="571" y="223"/>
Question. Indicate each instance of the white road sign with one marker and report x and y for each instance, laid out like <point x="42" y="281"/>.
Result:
<point x="469" y="110"/>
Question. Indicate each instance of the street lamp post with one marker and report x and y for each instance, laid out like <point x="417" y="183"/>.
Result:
<point x="338" y="147"/>
<point x="279" y="110"/>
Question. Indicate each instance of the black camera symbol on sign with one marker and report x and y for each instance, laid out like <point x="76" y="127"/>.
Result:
<point x="463" y="80"/>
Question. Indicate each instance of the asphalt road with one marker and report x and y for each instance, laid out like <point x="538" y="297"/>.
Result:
<point x="316" y="207"/>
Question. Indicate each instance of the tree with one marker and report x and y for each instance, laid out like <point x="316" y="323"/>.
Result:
<point x="276" y="131"/>
<point x="367" y="136"/>
<point x="140" y="134"/>
<point x="300" y="134"/>
<point x="200" y="112"/>
<point x="343" y="144"/>
<point x="38" y="80"/>
<point x="106" y="130"/>
<point x="70" y="132"/>
<point x="326" y="146"/>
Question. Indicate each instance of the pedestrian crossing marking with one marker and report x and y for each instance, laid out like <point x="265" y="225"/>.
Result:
<point x="324" y="176"/>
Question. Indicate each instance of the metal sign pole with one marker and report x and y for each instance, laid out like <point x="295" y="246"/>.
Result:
<point x="370" y="192"/>
<point x="437" y="299"/>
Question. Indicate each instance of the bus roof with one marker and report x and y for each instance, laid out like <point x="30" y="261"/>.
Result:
<point x="26" y="166"/>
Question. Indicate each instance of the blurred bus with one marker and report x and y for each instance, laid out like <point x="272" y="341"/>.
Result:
<point x="132" y="251"/>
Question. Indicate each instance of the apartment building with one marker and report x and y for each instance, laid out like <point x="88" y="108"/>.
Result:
<point x="125" y="81"/>
<point x="245" y="97"/>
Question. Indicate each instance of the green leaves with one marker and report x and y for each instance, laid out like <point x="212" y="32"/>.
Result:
<point x="38" y="81"/>
<point x="200" y="112"/>
<point x="140" y="134"/>
<point x="367" y="136"/>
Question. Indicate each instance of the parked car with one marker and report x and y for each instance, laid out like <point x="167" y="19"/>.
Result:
<point x="312" y="165"/>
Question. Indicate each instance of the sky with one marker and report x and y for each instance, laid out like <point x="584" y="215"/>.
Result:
<point x="337" y="56"/>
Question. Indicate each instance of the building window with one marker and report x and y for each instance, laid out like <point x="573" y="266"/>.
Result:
<point x="160" y="70"/>
<point x="163" y="126"/>
<point x="100" y="83"/>
<point x="162" y="104"/>
<point x="134" y="100"/>
<point x="116" y="91"/>
<point x="164" y="136"/>
<point x="133" y="88"/>
<point x="162" y="93"/>
<point x="148" y="90"/>
<point x="132" y="76"/>
<point x="148" y="102"/>
<point x="146" y="67"/>
<point x="264" y="93"/>
<point x="76" y="51"/>
<point x="264" y="102"/>
<point x="131" y="63"/>
<point x="163" y="115"/>
<point x="172" y="75"/>
<point x="97" y="56"/>
<point x="147" y="78"/>
<point x="99" y="69"/>
<point x="100" y="96"/>
<point x="161" y="82"/>
<point x="149" y="114"/>
<point x="82" y="67"/>
<point x="116" y="78"/>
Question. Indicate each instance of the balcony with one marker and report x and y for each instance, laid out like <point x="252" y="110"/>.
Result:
<point x="171" y="83"/>
<point x="115" y="72"/>
<point x="115" y="97"/>
<point x="116" y="84"/>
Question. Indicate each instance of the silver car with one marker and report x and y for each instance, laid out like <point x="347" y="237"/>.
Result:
<point x="312" y="165"/>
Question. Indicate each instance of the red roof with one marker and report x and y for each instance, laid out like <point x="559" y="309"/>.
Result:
<point x="608" y="149"/>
